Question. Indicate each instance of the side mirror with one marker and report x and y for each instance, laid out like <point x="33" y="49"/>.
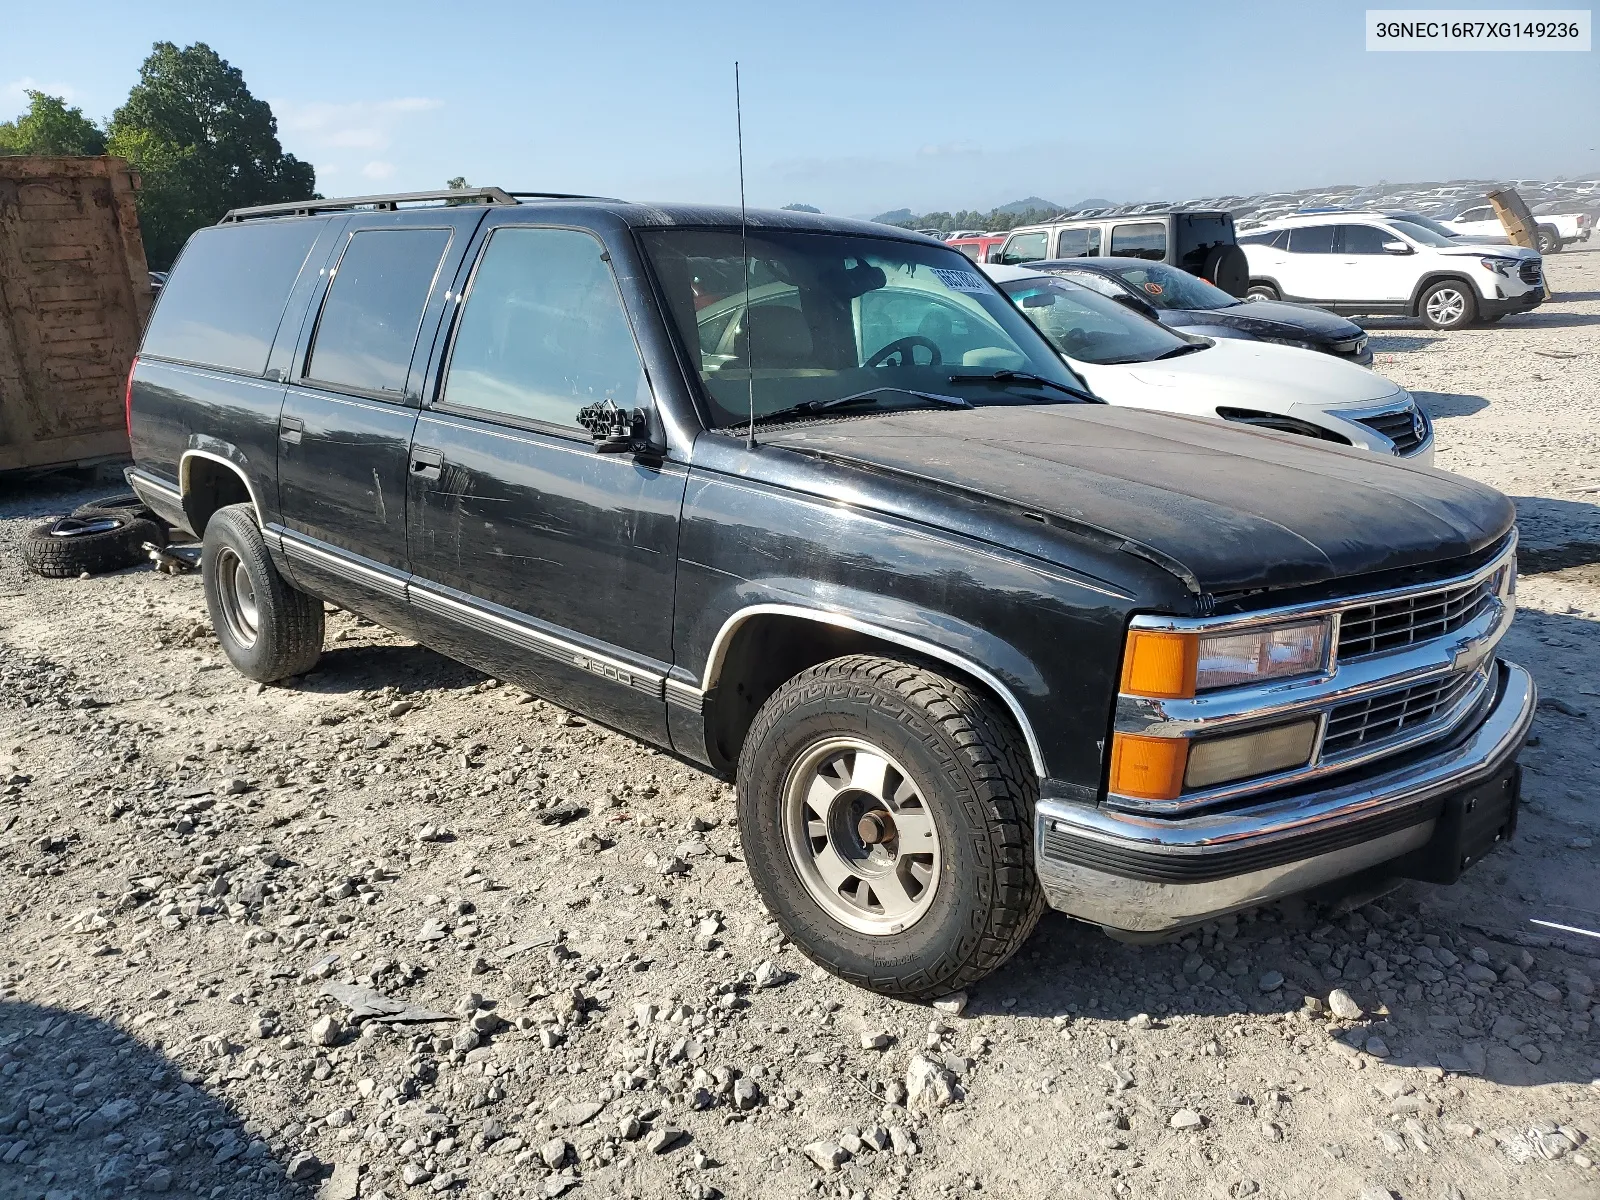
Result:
<point x="1142" y="307"/>
<point x="1397" y="248"/>
<point x="616" y="430"/>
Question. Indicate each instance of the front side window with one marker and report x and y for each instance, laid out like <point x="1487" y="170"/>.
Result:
<point x="829" y="316"/>
<point x="543" y="332"/>
<point x="369" y="322"/>
<point x="1424" y="236"/>
<point x="1025" y="248"/>
<point x="1477" y="214"/>
<point x="1311" y="239"/>
<point x="1277" y="239"/>
<point x="1362" y="239"/>
<point x="1147" y="239"/>
<point x="1078" y="243"/>
<point x="1091" y="328"/>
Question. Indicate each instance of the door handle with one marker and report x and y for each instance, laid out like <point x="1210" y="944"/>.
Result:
<point x="426" y="462"/>
<point x="290" y="429"/>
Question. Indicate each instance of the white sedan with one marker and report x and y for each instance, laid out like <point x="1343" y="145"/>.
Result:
<point x="1130" y="360"/>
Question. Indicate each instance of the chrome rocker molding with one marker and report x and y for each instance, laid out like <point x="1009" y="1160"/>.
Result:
<point x="719" y="650"/>
<point x="1146" y="874"/>
<point x="164" y="499"/>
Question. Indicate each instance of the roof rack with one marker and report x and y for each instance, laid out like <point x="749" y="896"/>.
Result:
<point x="393" y="201"/>
<point x="389" y="203"/>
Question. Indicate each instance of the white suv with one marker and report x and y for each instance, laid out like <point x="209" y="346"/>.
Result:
<point x="1357" y="263"/>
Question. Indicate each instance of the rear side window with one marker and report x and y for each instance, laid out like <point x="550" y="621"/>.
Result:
<point x="1078" y="243"/>
<point x="1278" y="239"/>
<point x="1311" y="239"/>
<point x="373" y="310"/>
<point x="222" y="303"/>
<point x="543" y="332"/>
<point x="1147" y="239"/>
<point x="1025" y="248"/>
<point x="1362" y="239"/>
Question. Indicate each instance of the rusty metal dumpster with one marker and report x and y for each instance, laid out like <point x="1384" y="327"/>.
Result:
<point x="74" y="296"/>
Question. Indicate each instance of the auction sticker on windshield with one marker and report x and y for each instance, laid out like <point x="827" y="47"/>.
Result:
<point x="961" y="281"/>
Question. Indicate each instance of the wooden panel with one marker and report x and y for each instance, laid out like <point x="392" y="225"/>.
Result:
<point x="74" y="296"/>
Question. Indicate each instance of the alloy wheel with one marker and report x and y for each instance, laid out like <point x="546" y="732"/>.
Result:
<point x="1446" y="306"/>
<point x="861" y="836"/>
<point x="237" y="593"/>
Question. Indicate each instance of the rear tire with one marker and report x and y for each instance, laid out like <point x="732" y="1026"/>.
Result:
<point x="1448" y="304"/>
<point x="1549" y="240"/>
<point x="1265" y="290"/>
<point x="65" y="547"/>
<point x="268" y="629"/>
<point x="930" y="886"/>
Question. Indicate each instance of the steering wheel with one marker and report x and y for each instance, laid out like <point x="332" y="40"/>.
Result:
<point x="903" y="347"/>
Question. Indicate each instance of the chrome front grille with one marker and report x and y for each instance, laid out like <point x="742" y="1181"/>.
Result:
<point x="1364" y="724"/>
<point x="1403" y="427"/>
<point x="1392" y="624"/>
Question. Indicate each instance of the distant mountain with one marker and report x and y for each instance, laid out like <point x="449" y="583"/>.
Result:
<point x="895" y="216"/>
<point x="1032" y="203"/>
<point x="1092" y="202"/>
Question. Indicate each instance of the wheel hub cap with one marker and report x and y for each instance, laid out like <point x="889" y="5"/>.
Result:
<point x="861" y="836"/>
<point x="236" y="594"/>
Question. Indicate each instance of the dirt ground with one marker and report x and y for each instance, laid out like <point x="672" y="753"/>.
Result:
<point x="577" y="990"/>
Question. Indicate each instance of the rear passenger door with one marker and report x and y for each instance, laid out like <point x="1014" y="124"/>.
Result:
<point x="344" y="436"/>
<point x="1082" y="242"/>
<point x="1307" y="271"/>
<point x="533" y="555"/>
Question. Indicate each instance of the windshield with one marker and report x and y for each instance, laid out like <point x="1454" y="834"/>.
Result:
<point x="831" y="316"/>
<point x="1422" y="235"/>
<point x="1091" y="328"/>
<point x="1168" y="287"/>
<point x="1429" y="223"/>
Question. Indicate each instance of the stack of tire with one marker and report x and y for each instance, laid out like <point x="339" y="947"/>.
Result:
<point x="104" y="535"/>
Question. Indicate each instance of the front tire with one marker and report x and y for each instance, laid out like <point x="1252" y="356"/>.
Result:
<point x="268" y="629"/>
<point x="1448" y="304"/>
<point x="886" y="813"/>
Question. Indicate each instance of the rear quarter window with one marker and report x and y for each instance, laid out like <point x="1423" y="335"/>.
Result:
<point x="222" y="303"/>
<point x="1144" y="239"/>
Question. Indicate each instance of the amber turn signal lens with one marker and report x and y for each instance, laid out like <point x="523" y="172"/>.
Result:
<point x="1160" y="665"/>
<point x="1148" y="768"/>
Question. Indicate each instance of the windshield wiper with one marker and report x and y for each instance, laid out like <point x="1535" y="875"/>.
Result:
<point x="808" y="408"/>
<point x="1007" y="375"/>
<point x="1176" y="352"/>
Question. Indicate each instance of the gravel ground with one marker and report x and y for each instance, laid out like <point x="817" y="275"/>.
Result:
<point x="399" y="930"/>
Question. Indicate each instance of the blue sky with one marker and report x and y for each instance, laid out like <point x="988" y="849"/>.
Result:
<point x="853" y="107"/>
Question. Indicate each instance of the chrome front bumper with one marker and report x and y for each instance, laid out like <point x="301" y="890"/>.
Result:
<point x="1144" y="873"/>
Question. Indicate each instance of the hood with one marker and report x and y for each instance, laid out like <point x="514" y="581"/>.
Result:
<point x="1274" y="318"/>
<point x="1239" y="374"/>
<point x="1483" y="248"/>
<point x="1230" y="507"/>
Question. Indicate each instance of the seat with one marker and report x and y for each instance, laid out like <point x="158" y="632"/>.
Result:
<point x="781" y="337"/>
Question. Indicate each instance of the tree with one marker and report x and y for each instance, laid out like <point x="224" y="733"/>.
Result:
<point x="800" y="208"/>
<point x="50" y="127"/>
<point x="202" y="144"/>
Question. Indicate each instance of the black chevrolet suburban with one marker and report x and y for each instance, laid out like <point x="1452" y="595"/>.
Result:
<point x="812" y="504"/>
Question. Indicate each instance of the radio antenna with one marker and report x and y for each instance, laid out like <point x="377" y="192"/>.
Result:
<point x="744" y="254"/>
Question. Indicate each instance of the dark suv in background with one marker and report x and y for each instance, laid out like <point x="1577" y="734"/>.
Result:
<point x="813" y="504"/>
<point x="1200" y="242"/>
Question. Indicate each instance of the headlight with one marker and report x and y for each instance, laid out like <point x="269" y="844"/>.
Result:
<point x="1501" y="266"/>
<point x="1172" y="666"/>
<point x="1299" y="344"/>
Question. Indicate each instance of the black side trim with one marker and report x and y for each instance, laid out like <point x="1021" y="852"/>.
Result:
<point x="1157" y="867"/>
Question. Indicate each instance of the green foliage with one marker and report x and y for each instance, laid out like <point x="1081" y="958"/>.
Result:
<point x="50" y="127"/>
<point x="800" y="208"/>
<point x="996" y="221"/>
<point x="202" y="144"/>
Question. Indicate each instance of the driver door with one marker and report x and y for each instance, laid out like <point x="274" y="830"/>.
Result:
<point x="533" y="555"/>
